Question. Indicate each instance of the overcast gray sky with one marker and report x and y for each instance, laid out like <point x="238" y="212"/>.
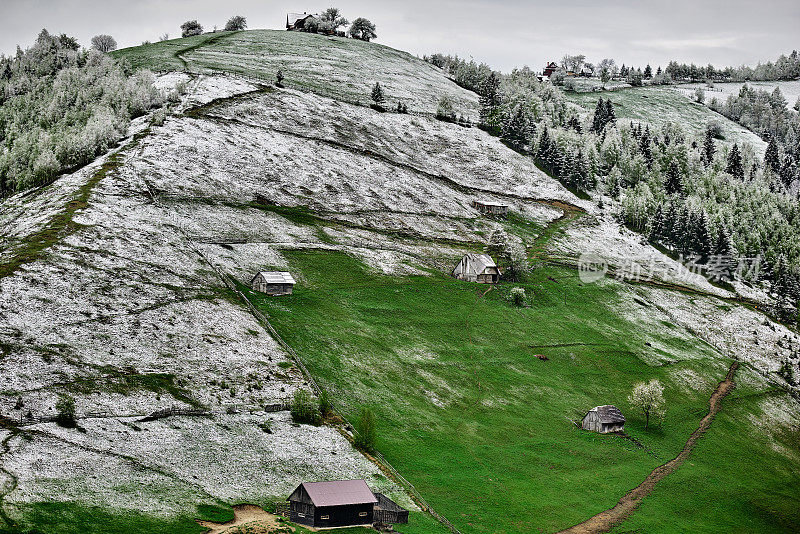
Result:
<point x="504" y="34"/>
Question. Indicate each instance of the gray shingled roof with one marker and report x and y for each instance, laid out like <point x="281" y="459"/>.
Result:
<point x="294" y="17"/>
<point x="339" y="492"/>
<point x="609" y="414"/>
<point x="277" y="277"/>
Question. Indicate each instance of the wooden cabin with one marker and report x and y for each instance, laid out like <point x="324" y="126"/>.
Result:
<point x="604" y="419"/>
<point x="297" y="21"/>
<point x="273" y="282"/>
<point x="477" y="268"/>
<point x="337" y="503"/>
<point x="490" y="208"/>
<point x="550" y="69"/>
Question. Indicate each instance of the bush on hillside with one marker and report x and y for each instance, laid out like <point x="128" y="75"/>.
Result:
<point x="367" y="434"/>
<point x="66" y="412"/>
<point x="325" y="404"/>
<point x="304" y="410"/>
<point x="517" y="296"/>
<point x="191" y="27"/>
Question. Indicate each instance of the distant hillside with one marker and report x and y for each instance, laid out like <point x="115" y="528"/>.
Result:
<point x="337" y="67"/>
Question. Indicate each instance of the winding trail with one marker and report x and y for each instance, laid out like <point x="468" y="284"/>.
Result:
<point x="608" y="519"/>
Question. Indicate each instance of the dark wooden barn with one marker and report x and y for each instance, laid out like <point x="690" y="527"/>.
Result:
<point x="550" y="69"/>
<point x="297" y="21"/>
<point x="490" y="208"/>
<point x="337" y="503"/>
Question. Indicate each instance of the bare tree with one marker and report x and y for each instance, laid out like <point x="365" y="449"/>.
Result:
<point x="164" y="37"/>
<point x="236" y="23"/>
<point x="104" y="43"/>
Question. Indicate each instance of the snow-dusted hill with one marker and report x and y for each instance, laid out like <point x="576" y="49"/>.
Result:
<point x="111" y="290"/>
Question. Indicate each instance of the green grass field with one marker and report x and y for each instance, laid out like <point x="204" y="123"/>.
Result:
<point x="659" y="105"/>
<point x="473" y="419"/>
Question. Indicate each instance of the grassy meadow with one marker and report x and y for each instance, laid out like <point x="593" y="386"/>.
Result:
<point x="466" y="410"/>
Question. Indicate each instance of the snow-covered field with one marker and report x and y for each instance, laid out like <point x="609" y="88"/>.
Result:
<point x="721" y="91"/>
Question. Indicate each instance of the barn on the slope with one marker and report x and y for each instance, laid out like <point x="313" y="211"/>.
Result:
<point x="336" y="503"/>
<point x="490" y="208"/>
<point x="273" y="282"/>
<point x="604" y="419"/>
<point x="477" y="268"/>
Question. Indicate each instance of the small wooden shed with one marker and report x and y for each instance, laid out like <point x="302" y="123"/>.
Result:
<point x="604" y="419"/>
<point x="389" y="512"/>
<point x="273" y="282"/>
<point x="477" y="268"/>
<point x="336" y="503"/>
<point x="490" y="208"/>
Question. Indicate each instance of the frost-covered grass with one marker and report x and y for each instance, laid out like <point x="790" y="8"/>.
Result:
<point x="721" y="91"/>
<point x="659" y="105"/>
<point x="341" y="68"/>
<point x="452" y="375"/>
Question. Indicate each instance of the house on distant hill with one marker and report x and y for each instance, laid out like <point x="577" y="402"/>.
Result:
<point x="604" y="419"/>
<point x="586" y="72"/>
<point x="477" y="268"/>
<point x="273" y="282"/>
<point x="490" y="208"/>
<point x="297" y="21"/>
<point x="550" y="69"/>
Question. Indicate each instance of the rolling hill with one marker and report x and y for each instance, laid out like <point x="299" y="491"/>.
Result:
<point x="124" y="287"/>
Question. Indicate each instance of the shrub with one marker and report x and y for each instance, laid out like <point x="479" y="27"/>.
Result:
<point x="445" y="110"/>
<point x="191" y="27"/>
<point x="366" y="431"/>
<point x="325" y="405"/>
<point x="304" y="410"/>
<point x="715" y="129"/>
<point x="517" y="296"/>
<point x="279" y="78"/>
<point x="378" y="96"/>
<point x="66" y="412"/>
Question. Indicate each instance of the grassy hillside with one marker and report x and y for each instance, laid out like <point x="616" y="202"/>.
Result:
<point x="659" y="105"/>
<point x="341" y="68"/>
<point x="480" y="425"/>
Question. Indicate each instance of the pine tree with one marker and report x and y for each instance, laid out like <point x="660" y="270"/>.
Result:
<point x="517" y="131"/>
<point x="703" y="243"/>
<point x="735" y="167"/>
<point x="788" y="171"/>
<point x="648" y="72"/>
<point x="708" y="149"/>
<point x="600" y="117"/>
<point x="610" y="115"/>
<point x="670" y="220"/>
<point x="377" y="95"/>
<point x="657" y="228"/>
<point x="644" y="147"/>
<point x="489" y="100"/>
<point x="673" y="184"/>
<point x="771" y="157"/>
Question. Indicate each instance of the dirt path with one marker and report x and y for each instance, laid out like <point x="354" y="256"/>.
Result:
<point x="254" y="518"/>
<point x="605" y="521"/>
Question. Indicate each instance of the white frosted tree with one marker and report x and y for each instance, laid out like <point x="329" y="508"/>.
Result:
<point x="649" y="398"/>
<point x="104" y="43"/>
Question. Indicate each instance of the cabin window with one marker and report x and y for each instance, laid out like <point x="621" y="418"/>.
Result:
<point x="324" y="517"/>
<point x="362" y="514"/>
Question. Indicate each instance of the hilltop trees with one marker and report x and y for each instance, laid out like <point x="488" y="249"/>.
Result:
<point x="362" y="29"/>
<point x="235" y="23"/>
<point x="191" y="27"/>
<point x="331" y="20"/>
<point x="103" y="43"/>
